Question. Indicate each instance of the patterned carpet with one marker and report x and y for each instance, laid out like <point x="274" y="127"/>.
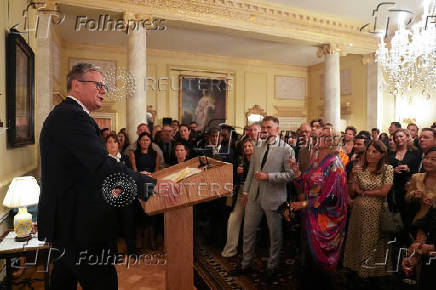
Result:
<point x="211" y="270"/>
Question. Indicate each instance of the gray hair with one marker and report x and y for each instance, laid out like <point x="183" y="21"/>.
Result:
<point x="78" y="71"/>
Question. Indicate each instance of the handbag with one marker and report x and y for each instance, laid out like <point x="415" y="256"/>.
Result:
<point x="390" y="221"/>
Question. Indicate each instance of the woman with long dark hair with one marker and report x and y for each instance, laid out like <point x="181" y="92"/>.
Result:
<point x="364" y="239"/>
<point x="127" y="213"/>
<point x="145" y="160"/>
<point x="123" y="140"/>
<point x="423" y="248"/>
<point x="239" y="200"/>
<point x="405" y="160"/>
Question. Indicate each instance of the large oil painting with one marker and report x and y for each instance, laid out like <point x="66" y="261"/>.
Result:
<point x="202" y="100"/>
<point x="20" y="98"/>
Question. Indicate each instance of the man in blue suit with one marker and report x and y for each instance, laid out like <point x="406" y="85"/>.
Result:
<point x="73" y="214"/>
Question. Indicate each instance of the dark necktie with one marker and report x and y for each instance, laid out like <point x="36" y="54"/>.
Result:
<point x="265" y="156"/>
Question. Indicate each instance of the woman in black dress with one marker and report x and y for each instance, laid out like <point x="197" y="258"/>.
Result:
<point x="123" y="141"/>
<point x="405" y="160"/>
<point x="127" y="213"/>
<point x="144" y="159"/>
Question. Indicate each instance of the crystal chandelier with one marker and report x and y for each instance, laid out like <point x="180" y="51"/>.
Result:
<point x="410" y="63"/>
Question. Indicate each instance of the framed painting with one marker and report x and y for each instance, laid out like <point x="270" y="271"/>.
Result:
<point x="290" y="88"/>
<point x="202" y="100"/>
<point x="20" y="90"/>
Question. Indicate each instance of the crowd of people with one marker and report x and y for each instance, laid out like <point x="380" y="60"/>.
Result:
<point x="333" y="183"/>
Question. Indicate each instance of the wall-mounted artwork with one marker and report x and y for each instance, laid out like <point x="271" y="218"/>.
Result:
<point x="202" y="100"/>
<point x="20" y="90"/>
<point x="290" y="88"/>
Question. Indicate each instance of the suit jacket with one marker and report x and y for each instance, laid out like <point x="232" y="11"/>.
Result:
<point x="169" y="155"/>
<point x="272" y="192"/>
<point x="74" y="162"/>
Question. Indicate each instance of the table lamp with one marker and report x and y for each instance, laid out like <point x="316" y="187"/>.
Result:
<point x="22" y="192"/>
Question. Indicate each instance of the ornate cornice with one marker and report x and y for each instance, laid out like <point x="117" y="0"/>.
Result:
<point x="368" y="58"/>
<point x="185" y="55"/>
<point x="255" y="17"/>
<point x="332" y="48"/>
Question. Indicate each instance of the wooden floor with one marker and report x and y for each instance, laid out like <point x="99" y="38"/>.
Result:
<point x="141" y="277"/>
<point x="136" y="277"/>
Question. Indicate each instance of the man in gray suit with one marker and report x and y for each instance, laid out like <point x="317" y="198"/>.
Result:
<point x="265" y="189"/>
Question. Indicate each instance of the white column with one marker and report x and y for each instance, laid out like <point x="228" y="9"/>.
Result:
<point x="374" y="98"/>
<point x="43" y="73"/>
<point x="43" y="77"/>
<point x="332" y="99"/>
<point x="136" y="106"/>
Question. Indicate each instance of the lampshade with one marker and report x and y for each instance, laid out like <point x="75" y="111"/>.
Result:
<point x="22" y="192"/>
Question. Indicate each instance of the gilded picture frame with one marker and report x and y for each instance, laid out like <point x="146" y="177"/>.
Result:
<point x="203" y="100"/>
<point x="20" y="90"/>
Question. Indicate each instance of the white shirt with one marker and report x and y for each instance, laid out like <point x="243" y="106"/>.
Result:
<point x="117" y="157"/>
<point x="80" y="103"/>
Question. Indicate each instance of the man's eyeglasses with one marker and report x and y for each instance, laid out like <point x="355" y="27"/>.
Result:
<point x="99" y="85"/>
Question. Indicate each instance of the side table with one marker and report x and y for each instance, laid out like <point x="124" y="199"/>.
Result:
<point x="10" y="249"/>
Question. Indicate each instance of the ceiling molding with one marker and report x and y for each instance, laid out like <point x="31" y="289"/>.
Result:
<point x="224" y="59"/>
<point x="183" y="55"/>
<point x="248" y="16"/>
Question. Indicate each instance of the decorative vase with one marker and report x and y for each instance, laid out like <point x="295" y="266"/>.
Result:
<point x="23" y="224"/>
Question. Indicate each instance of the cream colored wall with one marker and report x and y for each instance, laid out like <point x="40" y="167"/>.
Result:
<point x="413" y="107"/>
<point x="16" y="161"/>
<point x="70" y="50"/>
<point x="357" y="100"/>
<point x="253" y="81"/>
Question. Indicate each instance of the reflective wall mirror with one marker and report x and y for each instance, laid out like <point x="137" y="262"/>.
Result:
<point x="255" y="114"/>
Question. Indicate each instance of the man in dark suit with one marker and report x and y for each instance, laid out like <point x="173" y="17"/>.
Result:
<point x="167" y="144"/>
<point x="73" y="214"/>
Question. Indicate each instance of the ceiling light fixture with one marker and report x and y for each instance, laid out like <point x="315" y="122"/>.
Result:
<point x="410" y="62"/>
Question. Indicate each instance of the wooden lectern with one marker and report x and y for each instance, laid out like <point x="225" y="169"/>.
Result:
<point x="214" y="181"/>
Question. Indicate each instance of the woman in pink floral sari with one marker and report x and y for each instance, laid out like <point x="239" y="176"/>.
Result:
<point x="325" y="210"/>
